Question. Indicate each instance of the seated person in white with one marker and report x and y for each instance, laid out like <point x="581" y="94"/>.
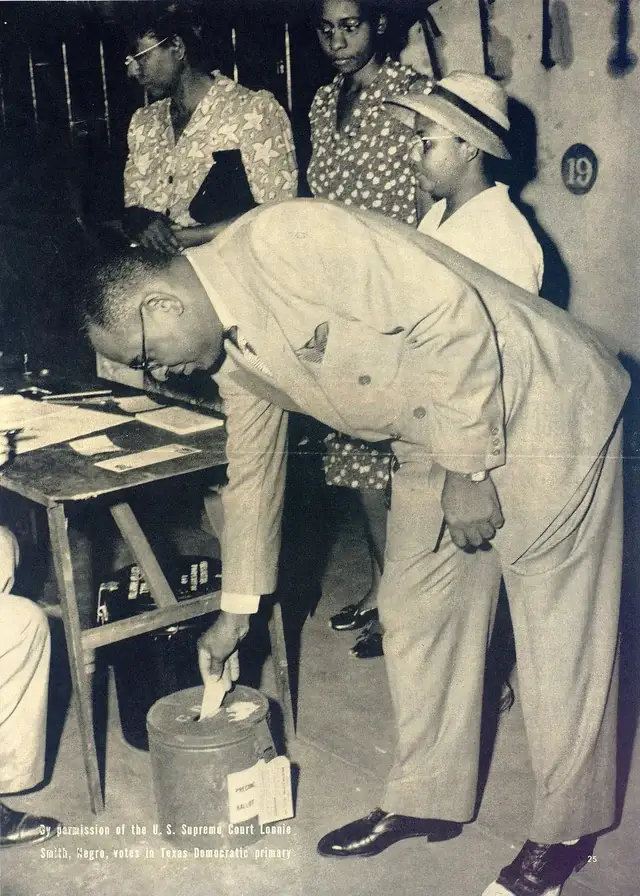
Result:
<point x="457" y="123"/>
<point x="24" y="680"/>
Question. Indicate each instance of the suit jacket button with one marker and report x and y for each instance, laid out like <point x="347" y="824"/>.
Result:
<point x="419" y="412"/>
<point x="496" y="451"/>
<point x="364" y="380"/>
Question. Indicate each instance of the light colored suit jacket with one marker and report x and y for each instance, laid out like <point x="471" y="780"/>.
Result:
<point x="460" y="368"/>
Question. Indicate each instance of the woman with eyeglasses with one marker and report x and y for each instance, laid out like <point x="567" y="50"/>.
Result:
<point x="194" y="114"/>
<point x="360" y="156"/>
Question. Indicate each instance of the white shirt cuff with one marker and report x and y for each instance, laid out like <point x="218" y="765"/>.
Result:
<point x="239" y="603"/>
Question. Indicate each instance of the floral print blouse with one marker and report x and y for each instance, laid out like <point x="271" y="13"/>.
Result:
<point x="164" y="175"/>
<point x="366" y="164"/>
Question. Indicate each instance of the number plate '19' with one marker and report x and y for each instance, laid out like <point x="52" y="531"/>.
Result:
<point x="579" y="168"/>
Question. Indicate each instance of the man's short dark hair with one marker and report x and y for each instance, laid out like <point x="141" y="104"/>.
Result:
<point x="109" y="278"/>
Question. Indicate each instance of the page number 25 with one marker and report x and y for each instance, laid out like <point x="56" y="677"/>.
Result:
<point x="579" y="168"/>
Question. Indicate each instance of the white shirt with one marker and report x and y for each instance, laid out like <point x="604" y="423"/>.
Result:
<point x="489" y="229"/>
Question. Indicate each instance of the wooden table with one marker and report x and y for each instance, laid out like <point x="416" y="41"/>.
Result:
<point x="64" y="483"/>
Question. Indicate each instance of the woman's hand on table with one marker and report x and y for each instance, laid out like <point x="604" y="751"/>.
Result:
<point x="151" y="230"/>
<point x="199" y="234"/>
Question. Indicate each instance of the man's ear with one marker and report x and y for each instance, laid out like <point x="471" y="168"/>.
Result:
<point x="162" y="302"/>
<point x="382" y="23"/>
<point x="470" y="152"/>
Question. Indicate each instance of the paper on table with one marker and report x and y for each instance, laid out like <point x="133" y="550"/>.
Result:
<point x="136" y="404"/>
<point x="180" y="420"/>
<point x="45" y="424"/>
<point x="145" y="458"/>
<point x="94" y="445"/>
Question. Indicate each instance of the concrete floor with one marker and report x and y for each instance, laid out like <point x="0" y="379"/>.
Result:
<point x="344" y="747"/>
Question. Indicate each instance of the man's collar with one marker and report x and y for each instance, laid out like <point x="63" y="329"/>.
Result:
<point x="226" y="318"/>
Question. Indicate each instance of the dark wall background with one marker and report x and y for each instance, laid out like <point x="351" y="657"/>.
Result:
<point x="65" y="105"/>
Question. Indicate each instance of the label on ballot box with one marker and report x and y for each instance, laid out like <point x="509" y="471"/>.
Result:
<point x="264" y="790"/>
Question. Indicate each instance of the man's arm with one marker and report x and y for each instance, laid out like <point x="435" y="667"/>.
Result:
<point x="459" y="399"/>
<point x="252" y="510"/>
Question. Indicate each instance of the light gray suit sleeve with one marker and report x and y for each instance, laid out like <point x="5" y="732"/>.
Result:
<point x="253" y="498"/>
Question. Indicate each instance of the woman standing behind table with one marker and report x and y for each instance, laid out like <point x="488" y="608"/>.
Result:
<point x="172" y="141"/>
<point x="360" y="157"/>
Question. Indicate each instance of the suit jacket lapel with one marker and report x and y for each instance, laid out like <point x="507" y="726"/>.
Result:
<point x="292" y="385"/>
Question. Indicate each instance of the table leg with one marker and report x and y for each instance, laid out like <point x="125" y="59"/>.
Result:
<point x="80" y="679"/>
<point x="139" y="546"/>
<point x="281" y="667"/>
<point x="213" y="508"/>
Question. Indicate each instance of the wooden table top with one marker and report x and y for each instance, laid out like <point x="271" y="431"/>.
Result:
<point x="57" y="473"/>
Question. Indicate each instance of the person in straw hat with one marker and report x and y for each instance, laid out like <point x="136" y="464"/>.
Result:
<point x="457" y="124"/>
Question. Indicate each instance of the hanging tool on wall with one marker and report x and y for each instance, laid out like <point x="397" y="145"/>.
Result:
<point x="431" y="33"/>
<point x="547" y="61"/>
<point x="622" y="59"/>
<point x="486" y="37"/>
<point x="561" y="44"/>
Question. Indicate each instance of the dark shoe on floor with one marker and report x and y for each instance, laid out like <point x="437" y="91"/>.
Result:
<point x="369" y="643"/>
<point x="351" y="618"/>
<point x="368" y="836"/>
<point x="17" y="828"/>
<point x="540" y="869"/>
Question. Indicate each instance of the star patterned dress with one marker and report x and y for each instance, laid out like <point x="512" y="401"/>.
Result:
<point x="164" y="175"/>
<point x="365" y="164"/>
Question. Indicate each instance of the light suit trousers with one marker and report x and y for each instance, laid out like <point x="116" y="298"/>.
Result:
<point x="437" y="610"/>
<point x="24" y="678"/>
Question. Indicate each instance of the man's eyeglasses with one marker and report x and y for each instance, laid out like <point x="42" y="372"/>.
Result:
<point x="344" y="26"/>
<point x="424" y="144"/>
<point x="132" y="58"/>
<point x="142" y="362"/>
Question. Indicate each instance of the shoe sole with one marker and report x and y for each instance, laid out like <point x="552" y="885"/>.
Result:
<point x="496" y="889"/>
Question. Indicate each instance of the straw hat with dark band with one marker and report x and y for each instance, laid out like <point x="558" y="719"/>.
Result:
<point x="471" y="106"/>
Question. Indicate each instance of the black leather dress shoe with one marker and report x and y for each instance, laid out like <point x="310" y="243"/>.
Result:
<point x="351" y="618"/>
<point x="368" y="836"/>
<point x="540" y="868"/>
<point x="17" y="828"/>
<point x="369" y="643"/>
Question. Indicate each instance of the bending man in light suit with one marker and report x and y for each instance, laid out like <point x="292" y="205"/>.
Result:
<point x="504" y="416"/>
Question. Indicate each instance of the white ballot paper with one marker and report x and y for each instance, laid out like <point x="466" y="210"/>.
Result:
<point x="145" y="458"/>
<point x="216" y="688"/>
<point x="136" y="404"/>
<point x="94" y="445"/>
<point x="180" y="421"/>
<point x="45" y="423"/>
